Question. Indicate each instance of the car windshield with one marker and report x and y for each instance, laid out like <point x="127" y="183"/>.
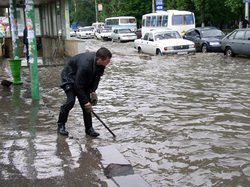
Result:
<point x="125" y="31"/>
<point x="212" y="33"/>
<point x="87" y="29"/>
<point x="167" y="35"/>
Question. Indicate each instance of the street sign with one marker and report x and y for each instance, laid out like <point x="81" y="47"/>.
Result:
<point x="100" y="7"/>
<point x="159" y="5"/>
<point x="246" y="1"/>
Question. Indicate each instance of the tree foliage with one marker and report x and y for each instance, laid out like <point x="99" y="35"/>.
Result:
<point x="219" y="13"/>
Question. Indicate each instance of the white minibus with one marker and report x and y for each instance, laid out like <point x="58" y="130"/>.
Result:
<point x="121" y="22"/>
<point x="98" y="25"/>
<point x="178" y="20"/>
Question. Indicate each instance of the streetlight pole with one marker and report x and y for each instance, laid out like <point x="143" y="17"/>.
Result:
<point x="96" y="14"/>
<point x="247" y="9"/>
<point x="153" y="6"/>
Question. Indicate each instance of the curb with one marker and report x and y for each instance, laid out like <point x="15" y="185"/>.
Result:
<point x="119" y="169"/>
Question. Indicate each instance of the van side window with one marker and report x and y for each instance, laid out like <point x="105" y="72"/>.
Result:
<point x="148" y="21"/>
<point x="177" y="20"/>
<point x="164" y="21"/>
<point x="188" y="19"/>
<point x="144" y="22"/>
<point x="158" y="21"/>
<point x="153" y="21"/>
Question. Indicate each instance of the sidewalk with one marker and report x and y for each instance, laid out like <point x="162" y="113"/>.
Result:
<point x="31" y="152"/>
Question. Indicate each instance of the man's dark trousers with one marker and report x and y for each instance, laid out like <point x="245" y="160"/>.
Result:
<point x="65" y="109"/>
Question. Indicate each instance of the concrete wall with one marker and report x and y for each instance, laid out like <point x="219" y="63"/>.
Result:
<point x="8" y="50"/>
<point x="49" y="45"/>
<point x="74" y="47"/>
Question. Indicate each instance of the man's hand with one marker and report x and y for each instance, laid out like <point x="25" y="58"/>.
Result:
<point x="94" y="99"/>
<point x="88" y="107"/>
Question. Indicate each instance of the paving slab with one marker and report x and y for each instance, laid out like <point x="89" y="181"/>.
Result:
<point x="119" y="169"/>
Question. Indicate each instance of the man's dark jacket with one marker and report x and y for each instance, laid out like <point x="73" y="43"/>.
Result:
<point x="82" y="74"/>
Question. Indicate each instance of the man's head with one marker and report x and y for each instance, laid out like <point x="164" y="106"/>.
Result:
<point x="246" y="17"/>
<point x="103" y="56"/>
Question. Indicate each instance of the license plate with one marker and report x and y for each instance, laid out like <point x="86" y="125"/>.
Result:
<point x="182" y="53"/>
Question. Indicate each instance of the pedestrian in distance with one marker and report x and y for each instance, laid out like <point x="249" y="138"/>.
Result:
<point x="245" y="22"/>
<point x="26" y="43"/>
<point x="80" y="78"/>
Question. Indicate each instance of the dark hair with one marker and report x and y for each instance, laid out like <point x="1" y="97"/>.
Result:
<point x="103" y="53"/>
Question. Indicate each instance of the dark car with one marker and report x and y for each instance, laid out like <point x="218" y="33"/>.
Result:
<point x="205" y="38"/>
<point x="237" y="42"/>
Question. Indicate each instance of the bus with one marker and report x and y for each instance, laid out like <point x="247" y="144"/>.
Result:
<point x="122" y="22"/>
<point x="178" y="20"/>
<point x="98" y="25"/>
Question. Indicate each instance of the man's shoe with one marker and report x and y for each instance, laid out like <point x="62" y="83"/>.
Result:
<point x="92" y="132"/>
<point x="61" y="130"/>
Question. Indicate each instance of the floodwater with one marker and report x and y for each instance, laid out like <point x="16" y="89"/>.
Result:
<point x="179" y="120"/>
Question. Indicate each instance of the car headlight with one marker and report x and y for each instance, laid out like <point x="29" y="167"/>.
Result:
<point x="168" y="48"/>
<point x="214" y="43"/>
<point x="191" y="46"/>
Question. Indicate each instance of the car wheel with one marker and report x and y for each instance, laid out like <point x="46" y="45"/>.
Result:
<point x="112" y="39"/>
<point x="158" y="52"/>
<point x="229" y="52"/>
<point x="204" y="48"/>
<point x="139" y="50"/>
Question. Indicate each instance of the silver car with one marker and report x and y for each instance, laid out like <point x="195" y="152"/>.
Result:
<point x="237" y="42"/>
<point x="122" y="35"/>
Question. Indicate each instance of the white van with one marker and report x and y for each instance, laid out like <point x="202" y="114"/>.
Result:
<point x="178" y="20"/>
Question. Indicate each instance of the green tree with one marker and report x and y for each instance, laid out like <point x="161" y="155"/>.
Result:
<point x="219" y="13"/>
<point x="237" y="8"/>
<point x="82" y="11"/>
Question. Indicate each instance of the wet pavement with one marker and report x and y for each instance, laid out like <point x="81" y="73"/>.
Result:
<point x="32" y="154"/>
<point x="179" y="121"/>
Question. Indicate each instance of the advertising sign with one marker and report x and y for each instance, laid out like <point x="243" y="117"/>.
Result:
<point x="100" y="7"/>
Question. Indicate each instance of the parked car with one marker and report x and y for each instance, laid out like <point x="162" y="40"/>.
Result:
<point x="85" y="32"/>
<point x="122" y="35"/>
<point x="158" y="42"/>
<point x="237" y="42"/>
<point x="104" y="33"/>
<point x="205" y="38"/>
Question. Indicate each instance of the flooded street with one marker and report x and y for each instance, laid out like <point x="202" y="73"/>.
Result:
<point x="179" y="120"/>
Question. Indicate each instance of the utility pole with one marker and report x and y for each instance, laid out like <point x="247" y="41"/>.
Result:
<point x="203" y="13"/>
<point x="96" y="13"/>
<point x="14" y="29"/>
<point x="153" y="6"/>
<point x="247" y="9"/>
<point x="31" y="29"/>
